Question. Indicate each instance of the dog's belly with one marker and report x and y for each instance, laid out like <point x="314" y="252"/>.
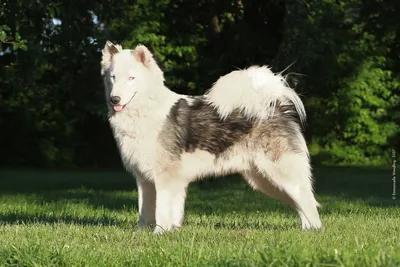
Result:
<point x="201" y="163"/>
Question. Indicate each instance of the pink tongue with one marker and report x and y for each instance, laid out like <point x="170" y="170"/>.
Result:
<point x="118" y="107"/>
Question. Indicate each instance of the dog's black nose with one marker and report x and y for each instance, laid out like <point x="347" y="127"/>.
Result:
<point x="115" y="100"/>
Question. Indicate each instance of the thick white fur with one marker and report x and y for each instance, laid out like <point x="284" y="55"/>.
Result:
<point x="162" y="179"/>
<point x="255" y="91"/>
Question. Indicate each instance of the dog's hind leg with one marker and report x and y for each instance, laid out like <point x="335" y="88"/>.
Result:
<point x="264" y="184"/>
<point x="289" y="180"/>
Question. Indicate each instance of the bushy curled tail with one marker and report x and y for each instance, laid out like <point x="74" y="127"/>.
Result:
<point x="256" y="91"/>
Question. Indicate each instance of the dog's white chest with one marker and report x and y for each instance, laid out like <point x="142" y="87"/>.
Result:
<point x="137" y="144"/>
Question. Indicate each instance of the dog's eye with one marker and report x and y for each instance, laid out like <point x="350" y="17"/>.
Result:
<point x="131" y="78"/>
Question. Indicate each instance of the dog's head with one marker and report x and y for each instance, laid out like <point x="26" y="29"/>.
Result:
<point x="128" y="73"/>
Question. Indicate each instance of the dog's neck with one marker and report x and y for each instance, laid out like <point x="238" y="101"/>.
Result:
<point x="146" y="109"/>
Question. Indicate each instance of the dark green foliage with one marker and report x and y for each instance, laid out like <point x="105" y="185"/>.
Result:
<point x="351" y="85"/>
<point x="345" y="57"/>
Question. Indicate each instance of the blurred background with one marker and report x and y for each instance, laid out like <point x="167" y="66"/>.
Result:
<point x="342" y="56"/>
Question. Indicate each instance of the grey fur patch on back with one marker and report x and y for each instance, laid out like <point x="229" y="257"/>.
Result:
<point x="197" y="125"/>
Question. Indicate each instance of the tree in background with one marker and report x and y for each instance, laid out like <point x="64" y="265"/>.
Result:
<point x="348" y="53"/>
<point x="51" y="95"/>
<point x="344" y="52"/>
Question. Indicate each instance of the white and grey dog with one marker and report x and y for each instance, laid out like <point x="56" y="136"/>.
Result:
<point x="248" y="123"/>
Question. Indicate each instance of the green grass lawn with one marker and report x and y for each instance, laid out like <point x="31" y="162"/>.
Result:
<point x="89" y="219"/>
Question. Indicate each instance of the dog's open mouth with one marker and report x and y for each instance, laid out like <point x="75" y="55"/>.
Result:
<point x="118" y="107"/>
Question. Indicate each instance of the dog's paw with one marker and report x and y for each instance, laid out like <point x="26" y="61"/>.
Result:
<point x="142" y="226"/>
<point x="143" y="229"/>
<point x="159" y="230"/>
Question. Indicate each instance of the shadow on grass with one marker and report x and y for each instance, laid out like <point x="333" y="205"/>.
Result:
<point x="28" y="219"/>
<point x="202" y="199"/>
<point x="34" y="181"/>
<point x="95" y="198"/>
<point x="373" y="186"/>
<point x="53" y="192"/>
<point x="22" y="218"/>
<point x="115" y="190"/>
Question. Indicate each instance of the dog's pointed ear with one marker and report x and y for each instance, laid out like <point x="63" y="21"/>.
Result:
<point x="143" y="55"/>
<point x="108" y="52"/>
<point x="110" y="49"/>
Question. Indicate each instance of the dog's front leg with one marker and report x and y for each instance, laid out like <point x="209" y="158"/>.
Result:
<point x="146" y="202"/>
<point x="178" y="207"/>
<point x="170" y="203"/>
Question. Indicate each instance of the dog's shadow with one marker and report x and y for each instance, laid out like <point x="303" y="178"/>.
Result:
<point x="221" y="197"/>
<point x="204" y="199"/>
<point x="34" y="219"/>
<point x="96" y="199"/>
<point x="26" y="219"/>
